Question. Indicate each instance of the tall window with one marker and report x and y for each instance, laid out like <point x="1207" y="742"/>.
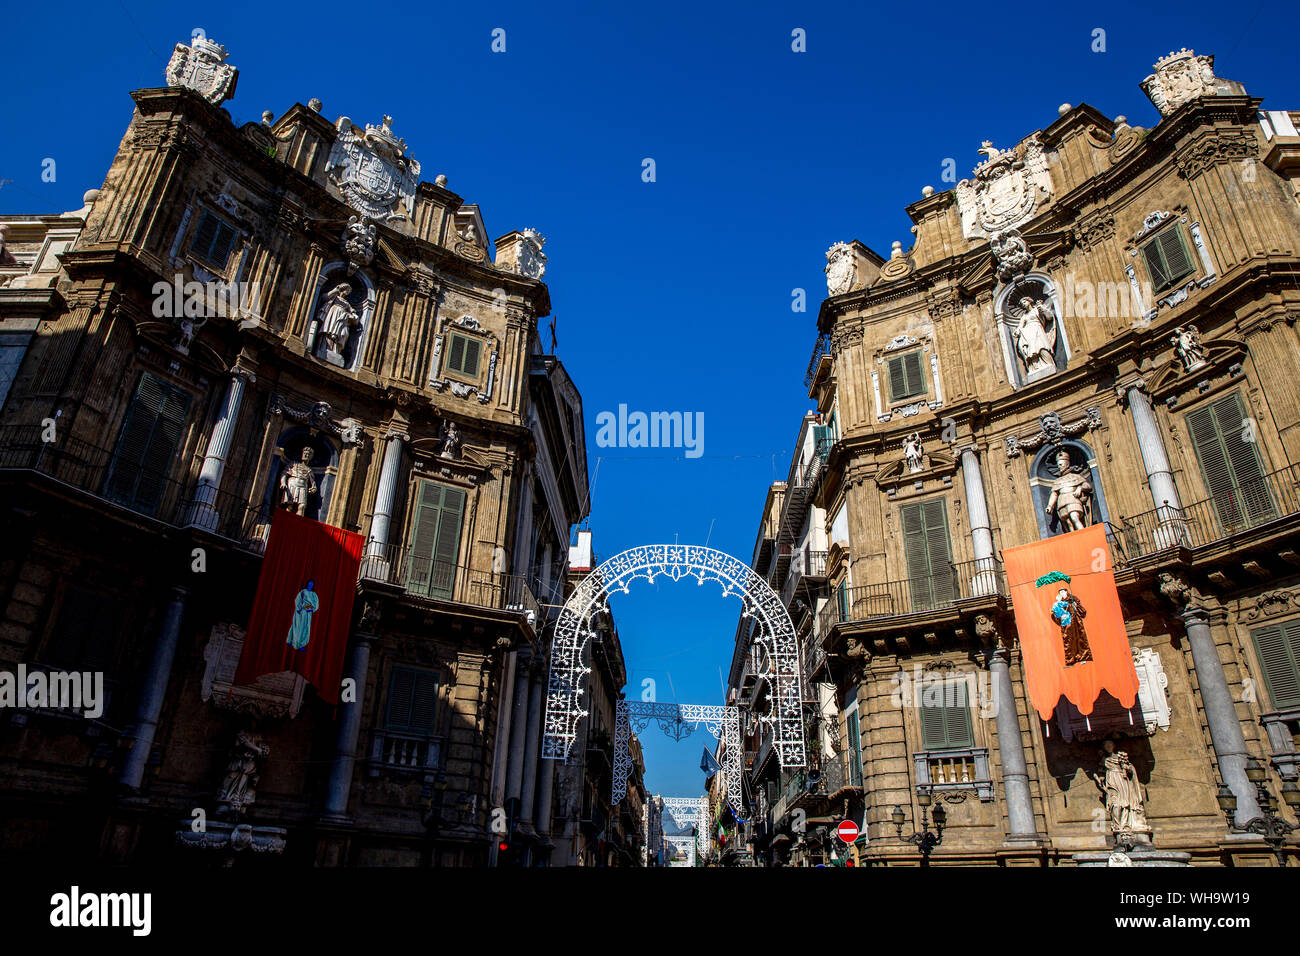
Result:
<point x="435" y="540"/>
<point x="151" y="433"/>
<point x="945" y="717"/>
<point x="13" y="346"/>
<point x="412" y="701"/>
<point x="1167" y="258"/>
<point x="1230" y="463"/>
<point x="855" y="747"/>
<point x="929" y="557"/>
<point x="1278" y="646"/>
<point x="214" y="240"/>
<point x="906" y="376"/>
<point x="463" y="355"/>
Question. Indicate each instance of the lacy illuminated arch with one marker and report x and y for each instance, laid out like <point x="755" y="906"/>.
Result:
<point x="774" y="633"/>
<point x="683" y="843"/>
<point x="687" y="811"/>
<point x="678" y="721"/>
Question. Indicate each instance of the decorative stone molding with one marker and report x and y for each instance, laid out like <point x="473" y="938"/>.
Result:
<point x="348" y="430"/>
<point x="521" y="253"/>
<point x="898" y="267"/>
<point x="1006" y="190"/>
<point x="1094" y="229"/>
<point x="372" y="170"/>
<point x="202" y="67"/>
<point x="1179" y="78"/>
<point x="1272" y="603"/>
<point x="1011" y="254"/>
<point x="841" y="269"/>
<point x="358" y="243"/>
<point x="845" y="336"/>
<point x="1126" y="140"/>
<point x="900" y="342"/>
<point x="438" y="382"/>
<point x="1220" y="146"/>
<point x="271" y="695"/>
<point x="1052" y="430"/>
<point x="234" y="838"/>
<point x="1151" y="711"/>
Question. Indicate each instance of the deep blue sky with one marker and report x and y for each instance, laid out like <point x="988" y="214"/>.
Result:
<point x="672" y="295"/>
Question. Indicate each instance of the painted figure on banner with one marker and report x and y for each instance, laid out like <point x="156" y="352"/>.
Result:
<point x="298" y="484"/>
<point x="1068" y="612"/>
<point x="1122" y="791"/>
<point x="1071" y="499"/>
<point x="304" y="606"/>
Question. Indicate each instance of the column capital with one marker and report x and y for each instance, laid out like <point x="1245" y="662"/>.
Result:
<point x="241" y="371"/>
<point x="1125" y="388"/>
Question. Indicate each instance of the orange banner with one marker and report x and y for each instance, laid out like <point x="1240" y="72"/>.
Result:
<point x="1071" y="626"/>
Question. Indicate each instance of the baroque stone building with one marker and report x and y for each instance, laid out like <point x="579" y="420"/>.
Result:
<point x="242" y="318"/>
<point x="1097" y="327"/>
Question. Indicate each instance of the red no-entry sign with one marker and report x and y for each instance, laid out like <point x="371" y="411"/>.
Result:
<point x="847" y="831"/>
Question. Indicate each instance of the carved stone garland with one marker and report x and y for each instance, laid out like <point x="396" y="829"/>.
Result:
<point x="775" y="633"/>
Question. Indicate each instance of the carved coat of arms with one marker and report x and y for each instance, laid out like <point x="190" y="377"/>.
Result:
<point x="372" y="170"/>
<point x="202" y="67"/>
<point x="841" y="269"/>
<point x="1005" y="190"/>
<point x="1180" y="77"/>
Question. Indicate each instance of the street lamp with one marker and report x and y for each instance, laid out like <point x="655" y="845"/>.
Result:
<point x="924" y="840"/>
<point x="1271" y="826"/>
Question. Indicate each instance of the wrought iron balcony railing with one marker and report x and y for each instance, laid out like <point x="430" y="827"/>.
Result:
<point x="983" y="577"/>
<point x="421" y="575"/>
<point x="1245" y="507"/>
<point x="832" y="775"/>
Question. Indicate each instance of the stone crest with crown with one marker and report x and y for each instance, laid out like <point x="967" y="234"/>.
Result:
<point x="372" y="170"/>
<point x="1005" y="190"/>
<point x="201" y="66"/>
<point x="1178" y="78"/>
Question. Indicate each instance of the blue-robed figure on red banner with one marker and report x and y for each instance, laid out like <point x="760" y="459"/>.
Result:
<point x="303" y="608"/>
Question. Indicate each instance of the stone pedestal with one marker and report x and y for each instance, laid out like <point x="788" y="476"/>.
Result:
<point x="1138" y="856"/>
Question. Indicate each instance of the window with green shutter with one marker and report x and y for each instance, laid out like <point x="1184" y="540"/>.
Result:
<point x="213" y="240"/>
<point x="463" y="355"/>
<point x="412" y="701"/>
<point x="1230" y="463"/>
<point x="945" y="717"/>
<point x="842" y="599"/>
<point x="855" y="749"/>
<point x="1167" y="258"/>
<point x="1278" y="646"/>
<point x="930" y="574"/>
<point x="906" y="376"/>
<point x="435" y="540"/>
<point x="146" y="447"/>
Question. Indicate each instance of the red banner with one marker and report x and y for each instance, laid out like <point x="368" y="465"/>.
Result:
<point x="1071" y="626"/>
<point x="303" y="608"/>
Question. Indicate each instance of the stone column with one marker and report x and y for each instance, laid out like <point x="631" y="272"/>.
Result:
<point x="153" y="692"/>
<point x="1220" y="712"/>
<point x="544" y="798"/>
<point x="1160" y="477"/>
<point x="387" y="491"/>
<point x="518" y="727"/>
<point x="1011" y="747"/>
<point x="202" y="511"/>
<point x="981" y="532"/>
<point x="501" y="753"/>
<point x="349" y="733"/>
<point x="531" y="745"/>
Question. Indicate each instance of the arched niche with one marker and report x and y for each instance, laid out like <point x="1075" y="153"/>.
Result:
<point x="1006" y="309"/>
<point x="362" y="296"/>
<point x="1043" y="472"/>
<point x="324" y="465"/>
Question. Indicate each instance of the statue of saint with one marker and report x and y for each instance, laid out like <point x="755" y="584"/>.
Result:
<point x="304" y="606"/>
<point x="1187" y="347"/>
<point x="913" y="452"/>
<point x="238" y="787"/>
<point x="298" y="483"/>
<point x="1035" y="335"/>
<point x="1068" y="613"/>
<point x="449" y="440"/>
<point x="337" y="319"/>
<point x="1122" y="791"/>
<point x="1071" y="499"/>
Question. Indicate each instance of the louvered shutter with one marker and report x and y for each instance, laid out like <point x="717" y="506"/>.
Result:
<point x="151" y="432"/>
<point x="400" y="687"/>
<point x="205" y="235"/>
<point x="925" y="544"/>
<point x="913" y="373"/>
<point x="456" y="356"/>
<point x="1230" y="464"/>
<point x="472" y="350"/>
<point x="1279" y="655"/>
<point x="855" y="750"/>
<point x="945" y="722"/>
<point x="1174" y="250"/>
<point x="897" y="379"/>
<point x="424" y="702"/>
<point x="936" y="535"/>
<point x="424" y="532"/>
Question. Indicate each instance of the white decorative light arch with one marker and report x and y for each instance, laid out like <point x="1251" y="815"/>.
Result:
<point x="774" y="633"/>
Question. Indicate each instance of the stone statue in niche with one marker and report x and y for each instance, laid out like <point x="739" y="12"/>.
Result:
<point x="1123" y="795"/>
<point x="1070" y="504"/>
<point x="449" y="440"/>
<point x="1035" y="335"/>
<point x="914" y="453"/>
<point x="298" y="484"/>
<point x="337" y="319"/>
<point x="239" y="787"/>
<point x="1186" y="341"/>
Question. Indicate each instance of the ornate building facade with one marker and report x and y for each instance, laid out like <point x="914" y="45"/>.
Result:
<point x="1096" y="328"/>
<point x="243" y="318"/>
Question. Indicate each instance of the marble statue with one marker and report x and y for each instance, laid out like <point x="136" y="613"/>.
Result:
<point x="1071" y="500"/>
<point x="1122" y="792"/>
<point x="337" y="319"/>
<point x="1186" y="341"/>
<point x="298" y="483"/>
<point x="1035" y="335"/>
<point x="913" y="452"/>
<point x="449" y="440"/>
<point x="238" y="788"/>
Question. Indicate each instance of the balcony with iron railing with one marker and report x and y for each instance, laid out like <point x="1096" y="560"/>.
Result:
<point x="963" y="581"/>
<point x="832" y="776"/>
<point x="422" y="576"/>
<point x="1247" y="507"/>
<point x="804" y="563"/>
